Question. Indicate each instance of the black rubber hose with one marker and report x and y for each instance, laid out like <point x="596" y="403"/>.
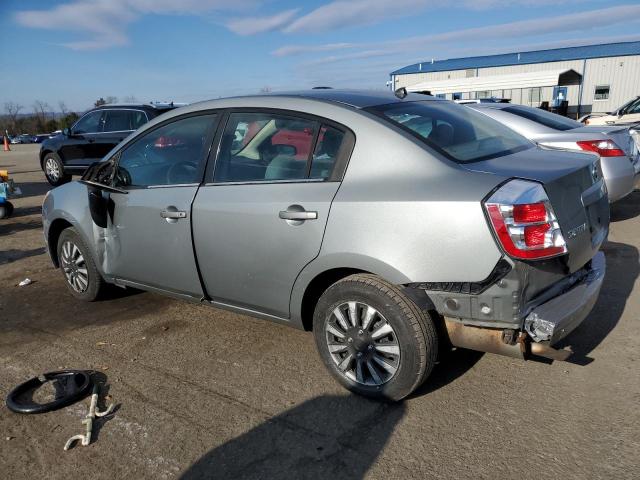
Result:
<point x="71" y="386"/>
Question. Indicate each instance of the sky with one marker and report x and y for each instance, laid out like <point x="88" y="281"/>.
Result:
<point x="76" y="51"/>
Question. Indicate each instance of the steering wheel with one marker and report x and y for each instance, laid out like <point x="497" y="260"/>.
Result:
<point x="182" y="172"/>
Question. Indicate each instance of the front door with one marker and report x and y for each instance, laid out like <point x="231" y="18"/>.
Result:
<point x="82" y="147"/>
<point x="149" y="239"/>
<point x="261" y="218"/>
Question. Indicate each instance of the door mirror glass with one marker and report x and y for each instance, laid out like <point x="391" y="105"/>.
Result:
<point x="172" y="154"/>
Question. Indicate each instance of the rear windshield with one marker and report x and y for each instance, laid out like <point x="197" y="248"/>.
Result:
<point x="457" y="132"/>
<point x="548" y="119"/>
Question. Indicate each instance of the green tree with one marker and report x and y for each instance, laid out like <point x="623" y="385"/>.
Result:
<point x="101" y="101"/>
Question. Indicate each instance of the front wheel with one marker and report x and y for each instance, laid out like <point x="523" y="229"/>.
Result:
<point x="54" y="170"/>
<point x="373" y="339"/>
<point x="80" y="273"/>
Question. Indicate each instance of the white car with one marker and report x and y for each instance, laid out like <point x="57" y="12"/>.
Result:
<point x="629" y="113"/>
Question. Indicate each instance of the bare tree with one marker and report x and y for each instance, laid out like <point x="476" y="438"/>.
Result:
<point x="112" y="99"/>
<point x="63" y="108"/>
<point x="41" y="110"/>
<point x="12" y="110"/>
<point x="130" y="99"/>
<point x="266" y="89"/>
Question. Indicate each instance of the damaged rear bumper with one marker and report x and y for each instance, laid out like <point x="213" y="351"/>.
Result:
<point x="549" y="320"/>
<point x="559" y="316"/>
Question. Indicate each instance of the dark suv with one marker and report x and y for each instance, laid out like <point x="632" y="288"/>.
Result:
<point x="92" y="137"/>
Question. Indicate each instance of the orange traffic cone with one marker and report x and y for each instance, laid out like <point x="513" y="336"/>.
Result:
<point x="6" y="144"/>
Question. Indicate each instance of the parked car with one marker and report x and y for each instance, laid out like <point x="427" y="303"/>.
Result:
<point x="23" y="138"/>
<point x="620" y="157"/>
<point x="92" y="137"/>
<point x="413" y="222"/>
<point x="627" y="114"/>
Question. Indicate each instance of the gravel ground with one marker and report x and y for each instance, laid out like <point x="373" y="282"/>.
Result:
<point x="203" y="393"/>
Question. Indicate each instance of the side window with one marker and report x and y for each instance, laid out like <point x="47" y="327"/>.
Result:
<point x="265" y="146"/>
<point x="326" y="152"/>
<point x="90" y="123"/>
<point x="170" y="155"/>
<point x="634" y="108"/>
<point x="138" y="119"/>
<point x="117" y="120"/>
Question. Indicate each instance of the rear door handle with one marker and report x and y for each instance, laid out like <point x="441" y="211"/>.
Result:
<point x="293" y="215"/>
<point x="173" y="214"/>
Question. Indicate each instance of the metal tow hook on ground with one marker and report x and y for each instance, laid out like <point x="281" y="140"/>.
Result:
<point x="85" y="439"/>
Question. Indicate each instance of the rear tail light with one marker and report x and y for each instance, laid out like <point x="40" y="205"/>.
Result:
<point x="604" y="148"/>
<point x="524" y="221"/>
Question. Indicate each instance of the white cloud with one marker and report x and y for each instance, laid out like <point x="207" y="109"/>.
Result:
<point x="575" y="22"/>
<point x="355" y="13"/>
<point x="105" y="22"/>
<point x="253" y="25"/>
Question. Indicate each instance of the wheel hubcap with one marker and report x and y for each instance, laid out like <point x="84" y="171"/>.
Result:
<point x="52" y="170"/>
<point x="362" y="344"/>
<point x="74" y="267"/>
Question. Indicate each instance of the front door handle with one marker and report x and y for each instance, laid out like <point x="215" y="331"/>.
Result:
<point x="173" y="214"/>
<point x="293" y="215"/>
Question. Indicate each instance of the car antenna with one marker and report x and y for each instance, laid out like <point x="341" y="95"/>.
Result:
<point x="401" y="92"/>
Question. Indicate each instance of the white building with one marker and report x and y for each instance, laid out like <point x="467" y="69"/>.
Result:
<point x="593" y="78"/>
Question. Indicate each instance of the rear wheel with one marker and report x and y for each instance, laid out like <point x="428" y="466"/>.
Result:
<point x="54" y="170"/>
<point x="80" y="273"/>
<point x="373" y="339"/>
<point x="6" y="209"/>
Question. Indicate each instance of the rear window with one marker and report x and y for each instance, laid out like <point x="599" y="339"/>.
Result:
<point x="457" y="132"/>
<point x="548" y="119"/>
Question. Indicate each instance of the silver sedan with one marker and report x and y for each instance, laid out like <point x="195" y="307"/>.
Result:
<point x="620" y="158"/>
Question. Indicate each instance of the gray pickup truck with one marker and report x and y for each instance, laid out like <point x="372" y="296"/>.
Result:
<point x="392" y="226"/>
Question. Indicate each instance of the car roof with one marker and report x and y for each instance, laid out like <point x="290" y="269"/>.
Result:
<point x="154" y="106"/>
<point x="355" y="98"/>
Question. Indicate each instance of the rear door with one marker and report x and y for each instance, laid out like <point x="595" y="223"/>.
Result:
<point x="117" y="125"/>
<point x="149" y="239"/>
<point x="260" y="217"/>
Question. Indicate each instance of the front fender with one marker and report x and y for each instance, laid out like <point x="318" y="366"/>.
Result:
<point x="69" y="204"/>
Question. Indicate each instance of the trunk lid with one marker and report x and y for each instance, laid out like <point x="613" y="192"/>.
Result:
<point x="574" y="185"/>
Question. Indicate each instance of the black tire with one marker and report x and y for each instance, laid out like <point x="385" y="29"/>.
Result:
<point x="412" y="330"/>
<point x="55" y="174"/>
<point x="93" y="285"/>
<point x="6" y="209"/>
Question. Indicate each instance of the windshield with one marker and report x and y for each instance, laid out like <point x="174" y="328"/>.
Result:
<point x="548" y="119"/>
<point x="458" y="132"/>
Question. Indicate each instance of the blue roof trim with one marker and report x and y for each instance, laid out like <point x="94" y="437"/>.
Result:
<point x="524" y="58"/>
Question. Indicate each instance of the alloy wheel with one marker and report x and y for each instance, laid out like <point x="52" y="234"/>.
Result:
<point x="362" y="343"/>
<point x="74" y="267"/>
<point x="52" y="169"/>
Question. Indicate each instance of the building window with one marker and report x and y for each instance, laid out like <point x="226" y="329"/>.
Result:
<point x="457" y="96"/>
<point x="483" y="94"/>
<point x="441" y="95"/>
<point x="470" y="72"/>
<point x="601" y="93"/>
<point x="534" y="94"/>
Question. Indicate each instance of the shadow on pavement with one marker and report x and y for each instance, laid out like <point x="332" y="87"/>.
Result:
<point x="33" y="189"/>
<point x="12" y="255"/>
<point x="337" y="437"/>
<point x="14" y="227"/>
<point x="453" y="364"/>
<point x="628" y="207"/>
<point x="622" y="271"/>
